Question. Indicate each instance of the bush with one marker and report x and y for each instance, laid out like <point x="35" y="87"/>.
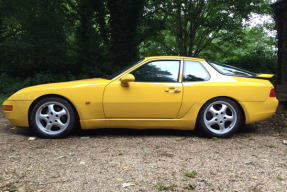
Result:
<point x="259" y="61"/>
<point x="9" y="84"/>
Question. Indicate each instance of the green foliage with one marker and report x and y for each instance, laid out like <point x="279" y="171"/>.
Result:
<point x="193" y="25"/>
<point x="48" y="41"/>
<point x="215" y="138"/>
<point x="163" y="187"/>
<point x="190" y="187"/>
<point x="10" y="84"/>
<point x="271" y="146"/>
<point x="280" y="178"/>
<point x="190" y="174"/>
<point x="258" y="61"/>
<point x="2" y="99"/>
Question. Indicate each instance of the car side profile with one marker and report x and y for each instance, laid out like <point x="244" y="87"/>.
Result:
<point x="162" y="92"/>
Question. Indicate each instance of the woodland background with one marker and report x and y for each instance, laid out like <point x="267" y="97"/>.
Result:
<point x="43" y="41"/>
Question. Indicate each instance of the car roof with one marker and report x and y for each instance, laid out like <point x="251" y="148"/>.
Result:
<point x="174" y="57"/>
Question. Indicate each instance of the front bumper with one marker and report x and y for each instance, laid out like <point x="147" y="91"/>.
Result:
<point x="19" y="115"/>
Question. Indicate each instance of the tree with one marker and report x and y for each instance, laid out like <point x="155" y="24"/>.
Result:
<point x="124" y="21"/>
<point x="39" y="43"/>
<point x="195" y="23"/>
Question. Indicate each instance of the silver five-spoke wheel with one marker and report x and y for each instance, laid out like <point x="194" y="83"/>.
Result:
<point x="220" y="117"/>
<point x="52" y="117"/>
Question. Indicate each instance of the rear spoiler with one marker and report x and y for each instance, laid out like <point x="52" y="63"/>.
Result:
<point x="264" y="76"/>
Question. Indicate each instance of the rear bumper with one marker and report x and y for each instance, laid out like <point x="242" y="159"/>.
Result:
<point x="19" y="115"/>
<point x="259" y="111"/>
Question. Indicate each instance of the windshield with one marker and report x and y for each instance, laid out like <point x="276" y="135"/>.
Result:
<point x="109" y="77"/>
<point x="230" y="70"/>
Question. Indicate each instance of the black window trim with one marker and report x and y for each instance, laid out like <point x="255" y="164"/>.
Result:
<point x="194" y="81"/>
<point x="150" y="61"/>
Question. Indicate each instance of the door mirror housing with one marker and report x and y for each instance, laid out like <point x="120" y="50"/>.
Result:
<point x="128" y="78"/>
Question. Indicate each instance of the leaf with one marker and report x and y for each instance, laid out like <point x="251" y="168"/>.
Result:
<point x="32" y="138"/>
<point x="12" y="189"/>
<point x="86" y="137"/>
<point x="190" y="174"/>
<point x="127" y="184"/>
<point x="125" y="167"/>
<point x="119" y="179"/>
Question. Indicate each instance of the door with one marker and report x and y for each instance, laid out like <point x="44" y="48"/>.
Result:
<point x="155" y="93"/>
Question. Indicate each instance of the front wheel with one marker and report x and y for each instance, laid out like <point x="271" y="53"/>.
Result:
<point x="220" y="117"/>
<point x="52" y="117"/>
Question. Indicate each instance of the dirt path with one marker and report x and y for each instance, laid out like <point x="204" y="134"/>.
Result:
<point x="145" y="160"/>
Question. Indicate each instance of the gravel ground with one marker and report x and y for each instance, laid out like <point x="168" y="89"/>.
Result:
<point x="145" y="160"/>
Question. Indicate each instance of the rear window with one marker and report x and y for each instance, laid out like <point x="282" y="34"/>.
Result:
<point x="230" y="70"/>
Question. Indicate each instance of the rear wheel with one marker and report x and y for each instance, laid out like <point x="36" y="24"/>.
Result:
<point x="220" y="117"/>
<point x="52" y="117"/>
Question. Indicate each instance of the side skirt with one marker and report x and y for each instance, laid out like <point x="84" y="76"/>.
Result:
<point x="186" y="123"/>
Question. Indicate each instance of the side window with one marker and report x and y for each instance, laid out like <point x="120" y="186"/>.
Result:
<point x="194" y="71"/>
<point x="157" y="71"/>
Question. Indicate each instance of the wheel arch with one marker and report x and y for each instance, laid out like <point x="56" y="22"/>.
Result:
<point x="240" y="107"/>
<point x="52" y="95"/>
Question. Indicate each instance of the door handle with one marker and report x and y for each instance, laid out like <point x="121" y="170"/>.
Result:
<point x="172" y="90"/>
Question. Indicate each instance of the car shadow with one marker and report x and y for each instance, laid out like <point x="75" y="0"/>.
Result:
<point x="121" y="132"/>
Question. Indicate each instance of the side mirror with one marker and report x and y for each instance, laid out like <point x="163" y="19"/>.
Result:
<point x="125" y="80"/>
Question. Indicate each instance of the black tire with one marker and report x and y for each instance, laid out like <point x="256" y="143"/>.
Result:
<point x="214" y="121"/>
<point x="53" y="118"/>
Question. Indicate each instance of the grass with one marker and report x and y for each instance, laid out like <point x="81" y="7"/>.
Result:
<point x="280" y="178"/>
<point x="190" y="186"/>
<point x="2" y="99"/>
<point x="163" y="187"/>
<point x="190" y="174"/>
<point x="250" y="163"/>
<point x="271" y="146"/>
<point x="215" y="138"/>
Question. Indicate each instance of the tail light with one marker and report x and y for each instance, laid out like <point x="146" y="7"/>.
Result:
<point x="272" y="93"/>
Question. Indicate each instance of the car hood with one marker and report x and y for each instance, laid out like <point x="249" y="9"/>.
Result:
<point x="30" y="93"/>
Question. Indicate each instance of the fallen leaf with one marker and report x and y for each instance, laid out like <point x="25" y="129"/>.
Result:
<point x="86" y="137"/>
<point x="119" y="179"/>
<point x="178" y="139"/>
<point x="12" y="189"/>
<point x="32" y="138"/>
<point x="125" y="167"/>
<point x="21" y="189"/>
<point x="127" y="184"/>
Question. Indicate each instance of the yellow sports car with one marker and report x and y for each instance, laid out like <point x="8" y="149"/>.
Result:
<point x="157" y="92"/>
